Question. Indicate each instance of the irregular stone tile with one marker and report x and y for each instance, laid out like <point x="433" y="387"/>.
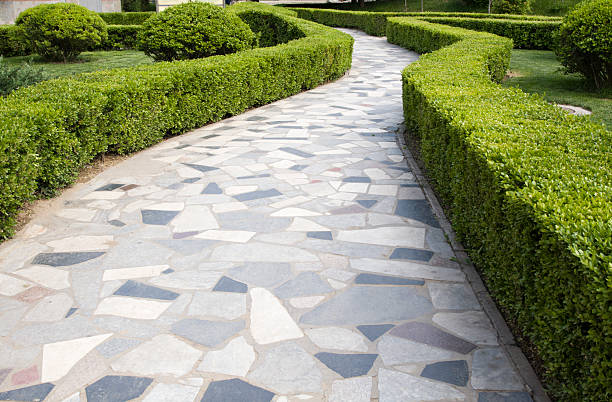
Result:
<point x="348" y="365"/>
<point x="79" y="243"/>
<point x="306" y="302"/>
<point x="172" y="392"/>
<point x="128" y="327"/>
<point x="504" y="397"/>
<point x="294" y="212"/>
<point x="77" y="214"/>
<point x="325" y="235"/>
<point x="195" y="217"/>
<point x="51" y="308"/>
<point x="136" y="252"/>
<point x="372" y="279"/>
<point x="60" y="357"/>
<point x="116" y="223"/>
<point x="395" y="386"/>
<point x="65" y="259"/>
<point x="46" y="276"/>
<point x="236" y="236"/>
<point x="252" y="222"/>
<point x="357" y="179"/>
<point x="33" y="393"/>
<point x="411" y="254"/>
<point x="137" y="289"/>
<point x="373" y="305"/>
<point x="156" y="217"/>
<point x="304" y="225"/>
<point x="471" y="325"/>
<point x="136" y="272"/>
<point x="188" y="280"/>
<point x="261" y="252"/>
<point x="408" y="269"/>
<point x="115" y="346"/>
<point x="234" y="359"/>
<point x="212" y="188"/>
<point x="38" y="334"/>
<point x="76" y="397"/>
<point x="367" y="203"/>
<point x="162" y="355"/>
<point x="182" y="235"/>
<point x="270" y="321"/>
<point x="418" y="210"/>
<point x="491" y="369"/>
<point x="339" y="274"/>
<point x="71" y="311"/>
<point x="235" y="390"/>
<point x="207" y="333"/>
<point x="25" y="376"/>
<point x="109" y="187"/>
<point x="296" y="152"/>
<point x="186" y="246"/>
<point x="357" y="250"/>
<point x="228" y="306"/>
<point x="10" y="286"/>
<point x="437" y="241"/>
<point x="430" y="335"/>
<point x="288" y="369"/>
<point x="258" y="194"/>
<point x="453" y="372"/>
<point x="305" y="284"/>
<point x="373" y="332"/>
<point x="226" y="284"/>
<point x="394" y="350"/>
<point x="131" y="308"/>
<point x="446" y="296"/>
<point x="3" y="374"/>
<point x="264" y="274"/>
<point x="113" y="388"/>
<point x="337" y="338"/>
<point x="357" y="389"/>
<point x="403" y="236"/>
<point x="201" y="168"/>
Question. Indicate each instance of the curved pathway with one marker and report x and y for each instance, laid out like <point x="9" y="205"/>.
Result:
<point x="287" y="253"/>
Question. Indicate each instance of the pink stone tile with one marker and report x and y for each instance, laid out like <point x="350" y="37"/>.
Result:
<point x="336" y="169"/>
<point x="26" y="376"/>
<point x="33" y="294"/>
<point x="315" y="181"/>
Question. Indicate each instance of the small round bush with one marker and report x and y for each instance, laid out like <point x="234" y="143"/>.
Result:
<point x="194" y="30"/>
<point x="510" y="6"/>
<point x="60" y="31"/>
<point x="584" y="43"/>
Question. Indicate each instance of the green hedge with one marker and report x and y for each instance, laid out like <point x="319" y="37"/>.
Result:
<point x="527" y="32"/>
<point x="132" y="18"/>
<point x="528" y="189"/>
<point x="52" y="129"/>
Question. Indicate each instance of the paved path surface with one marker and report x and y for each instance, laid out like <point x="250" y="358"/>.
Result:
<point x="285" y="254"/>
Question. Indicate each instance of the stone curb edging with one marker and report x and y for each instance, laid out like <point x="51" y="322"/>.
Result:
<point x="506" y="339"/>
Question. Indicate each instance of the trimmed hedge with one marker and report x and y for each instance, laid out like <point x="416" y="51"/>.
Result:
<point x="131" y="18"/>
<point x="527" y="32"/>
<point x="528" y="189"/>
<point x="50" y="130"/>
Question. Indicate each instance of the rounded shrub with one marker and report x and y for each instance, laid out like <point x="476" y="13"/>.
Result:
<point x="585" y="42"/>
<point x="510" y="6"/>
<point x="60" y="31"/>
<point x="192" y="31"/>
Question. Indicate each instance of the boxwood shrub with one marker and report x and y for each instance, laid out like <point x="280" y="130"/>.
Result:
<point x="132" y="18"/>
<point x="51" y="129"/>
<point x="528" y="189"/>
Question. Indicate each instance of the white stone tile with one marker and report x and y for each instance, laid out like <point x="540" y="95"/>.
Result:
<point x="51" y="308"/>
<point x="167" y="206"/>
<point x="304" y="225"/>
<point x="228" y="207"/>
<point x="383" y="189"/>
<point x="291" y="201"/>
<point x="471" y="325"/>
<point x="270" y="321"/>
<point x="408" y="269"/>
<point x="306" y="301"/>
<point x="190" y="190"/>
<point x="354" y="188"/>
<point x="399" y="236"/>
<point x="31" y="231"/>
<point x="132" y="308"/>
<point x="193" y="218"/>
<point x="233" y="190"/>
<point x="172" y="392"/>
<point x="358" y="389"/>
<point x="394" y="386"/>
<point x="318" y="189"/>
<point x="235" y="359"/>
<point x="46" y="276"/>
<point x="337" y="338"/>
<point x="60" y="357"/>
<point x="102" y="204"/>
<point x="81" y="243"/>
<point x="77" y="214"/>
<point x="236" y="236"/>
<point x="10" y="286"/>
<point x="376" y="174"/>
<point x="293" y="212"/>
<point x="136" y="272"/>
<point x="284" y="164"/>
<point x="104" y="195"/>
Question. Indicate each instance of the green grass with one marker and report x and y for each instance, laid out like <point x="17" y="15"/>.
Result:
<point x="539" y="71"/>
<point x="86" y="62"/>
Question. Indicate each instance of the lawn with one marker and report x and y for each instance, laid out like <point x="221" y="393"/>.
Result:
<point x="538" y="71"/>
<point x="86" y="62"/>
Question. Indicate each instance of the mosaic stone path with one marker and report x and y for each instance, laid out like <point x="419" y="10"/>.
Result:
<point x="285" y="254"/>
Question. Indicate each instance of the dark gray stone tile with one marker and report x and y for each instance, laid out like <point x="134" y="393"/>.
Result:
<point x="71" y="311"/>
<point x="117" y="223"/>
<point x="191" y="180"/>
<point x="201" y="168"/>
<point x="66" y="259"/>
<point x="226" y="284"/>
<point x="367" y="203"/>
<point x="296" y="152"/>
<point x="298" y="168"/>
<point x="369" y="305"/>
<point x="182" y="235"/>
<point x="411" y="254"/>
<point x="212" y="188"/>
<point x="305" y="284"/>
<point x="209" y="136"/>
<point x="137" y="289"/>
<point x="348" y="365"/>
<point x="254" y="176"/>
<point x="32" y="393"/>
<point x="373" y="279"/>
<point x="167" y="271"/>
<point x="320" y="235"/>
<point x="453" y="372"/>
<point x="117" y="388"/>
<point x="154" y="217"/>
<point x="357" y="179"/>
<point x="256" y="118"/>
<point x="504" y="397"/>
<point x="255" y="195"/>
<point x="418" y="210"/>
<point x="207" y="333"/>
<point x="110" y="187"/>
<point x="373" y="332"/>
<point x="235" y="390"/>
<point x="430" y="335"/>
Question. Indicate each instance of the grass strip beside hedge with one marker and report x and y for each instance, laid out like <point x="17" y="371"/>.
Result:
<point x="528" y="189"/>
<point x="50" y="130"/>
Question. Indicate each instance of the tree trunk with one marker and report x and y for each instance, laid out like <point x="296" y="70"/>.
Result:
<point x="362" y="3"/>
<point x="490" y="1"/>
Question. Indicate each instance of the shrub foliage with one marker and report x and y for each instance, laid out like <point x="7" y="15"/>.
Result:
<point x="13" y="77"/>
<point x="511" y="6"/>
<point x="192" y="31"/>
<point x="60" y="31"/>
<point x="585" y="41"/>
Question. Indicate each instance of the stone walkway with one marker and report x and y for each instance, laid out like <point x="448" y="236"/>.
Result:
<point x="284" y="254"/>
